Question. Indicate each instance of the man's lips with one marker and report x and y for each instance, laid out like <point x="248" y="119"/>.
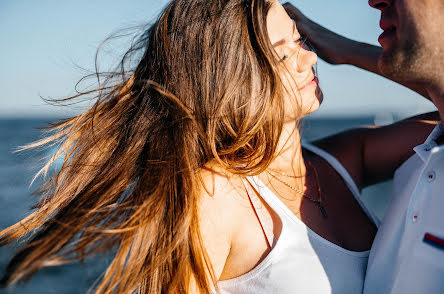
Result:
<point x="388" y="34"/>
<point x="386" y="24"/>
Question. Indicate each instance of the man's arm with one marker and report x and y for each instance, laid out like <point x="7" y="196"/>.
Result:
<point x="386" y="148"/>
<point x="336" y="49"/>
<point x="372" y="154"/>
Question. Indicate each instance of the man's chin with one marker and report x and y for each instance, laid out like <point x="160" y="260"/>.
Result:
<point x="389" y="63"/>
<point x="400" y="59"/>
<point x="385" y="66"/>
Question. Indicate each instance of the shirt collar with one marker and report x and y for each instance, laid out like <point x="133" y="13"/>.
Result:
<point x="424" y="149"/>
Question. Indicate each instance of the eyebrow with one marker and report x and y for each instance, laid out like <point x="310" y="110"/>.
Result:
<point x="282" y="41"/>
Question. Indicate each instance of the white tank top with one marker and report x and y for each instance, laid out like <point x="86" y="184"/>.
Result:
<point x="301" y="261"/>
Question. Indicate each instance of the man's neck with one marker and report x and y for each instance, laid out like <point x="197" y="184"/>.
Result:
<point x="437" y="96"/>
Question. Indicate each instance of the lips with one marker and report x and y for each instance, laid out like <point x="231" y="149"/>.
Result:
<point x="388" y="26"/>
<point x="388" y="34"/>
<point x="312" y="81"/>
<point x="385" y="24"/>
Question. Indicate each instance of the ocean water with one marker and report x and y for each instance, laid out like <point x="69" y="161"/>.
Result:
<point x="17" y="170"/>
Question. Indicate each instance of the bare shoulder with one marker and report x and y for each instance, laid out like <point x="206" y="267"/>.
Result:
<point x="220" y="196"/>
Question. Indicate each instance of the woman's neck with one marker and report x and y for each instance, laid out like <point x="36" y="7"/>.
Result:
<point x="289" y="159"/>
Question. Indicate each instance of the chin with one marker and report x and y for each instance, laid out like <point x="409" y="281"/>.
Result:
<point x="399" y="60"/>
<point x="386" y="63"/>
<point x="316" y="102"/>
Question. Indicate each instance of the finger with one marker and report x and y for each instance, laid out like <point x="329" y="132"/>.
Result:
<point x="293" y="12"/>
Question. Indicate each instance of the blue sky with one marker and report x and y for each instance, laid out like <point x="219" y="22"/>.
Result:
<point x="46" y="43"/>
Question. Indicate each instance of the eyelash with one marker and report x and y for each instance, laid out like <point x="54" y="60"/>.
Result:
<point x="285" y="57"/>
<point x="302" y="40"/>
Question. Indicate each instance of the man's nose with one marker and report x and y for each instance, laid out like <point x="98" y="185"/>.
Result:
<point x="380" y="4"/>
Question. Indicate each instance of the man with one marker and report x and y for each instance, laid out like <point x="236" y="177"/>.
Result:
<point x="407" y="255"/>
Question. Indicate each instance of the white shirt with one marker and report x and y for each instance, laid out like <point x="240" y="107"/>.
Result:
<point x="407" y="255"/>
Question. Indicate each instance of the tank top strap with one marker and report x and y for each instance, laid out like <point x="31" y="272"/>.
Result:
<point x="346" y="176"/>
<point x="258" y="208"/>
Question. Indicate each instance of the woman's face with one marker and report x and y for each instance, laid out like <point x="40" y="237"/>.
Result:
<point x="296" y="63"/>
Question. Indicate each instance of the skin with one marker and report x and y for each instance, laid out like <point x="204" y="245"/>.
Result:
<point x="413" y="46"/>
<point x="410" y="54"/>
<point x="296" y="63"/>
<point x="410" y="50"/>
<point x="230" y="230"/>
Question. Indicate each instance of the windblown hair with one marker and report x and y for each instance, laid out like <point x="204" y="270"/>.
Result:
<point x="205" y="88"/>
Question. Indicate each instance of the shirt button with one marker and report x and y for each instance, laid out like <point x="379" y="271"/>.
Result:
<point x="415" y="217"/>
<point x="431" y="176"/>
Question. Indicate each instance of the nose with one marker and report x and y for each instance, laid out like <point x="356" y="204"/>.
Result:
<point x="306" y="60"/>
<point x="380" y="4"/>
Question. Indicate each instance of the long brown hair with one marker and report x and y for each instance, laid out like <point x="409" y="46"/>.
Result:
<point x="205" y="88"/>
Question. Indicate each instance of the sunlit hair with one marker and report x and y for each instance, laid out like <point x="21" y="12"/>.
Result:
<point x="206" y="87"/>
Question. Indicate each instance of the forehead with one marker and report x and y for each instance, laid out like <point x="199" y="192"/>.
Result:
<point x="279" y="24"/>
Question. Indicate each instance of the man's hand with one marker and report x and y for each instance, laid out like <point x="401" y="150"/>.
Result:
<point x="330" y="46"/>
<point x="336" y="49"/>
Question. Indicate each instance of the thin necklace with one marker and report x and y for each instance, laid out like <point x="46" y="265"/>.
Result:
<point x="287" y="175"/>
<point x="317" y="201"/>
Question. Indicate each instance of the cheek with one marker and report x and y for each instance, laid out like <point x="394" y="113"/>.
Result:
<point x="289" y="76"/>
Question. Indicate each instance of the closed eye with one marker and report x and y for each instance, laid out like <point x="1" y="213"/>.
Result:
<point x="301" y="41"/>
<point x="285" y="57"/>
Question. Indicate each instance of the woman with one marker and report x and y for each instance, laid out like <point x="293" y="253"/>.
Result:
<point x="192" y="168"/>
